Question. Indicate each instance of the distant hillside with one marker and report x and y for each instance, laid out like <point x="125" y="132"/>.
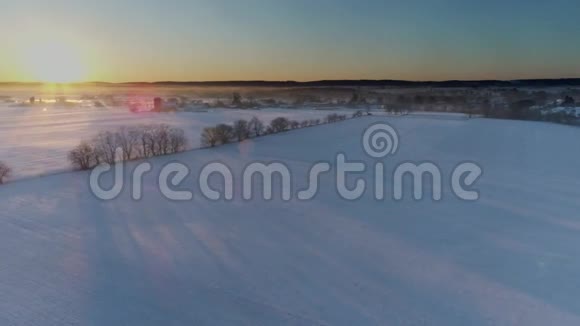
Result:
<point x="378" y="83"/>
<point x="564" y="82"/>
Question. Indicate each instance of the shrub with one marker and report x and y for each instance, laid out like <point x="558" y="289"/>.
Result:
<point x="83" y="156"/>
<point x="333" y="117"/>
<point x="357" y="114"/>
<point x="5" y="172"/>
<point x="304" y="124"/>
<point x="294" y="124"/>
<point x="279" y="124"/>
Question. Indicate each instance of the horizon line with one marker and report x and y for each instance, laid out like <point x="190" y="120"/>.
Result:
<point x="576" y="80"/>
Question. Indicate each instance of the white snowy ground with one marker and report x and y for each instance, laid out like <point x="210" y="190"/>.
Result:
<point x="36" y="141"/>
<point x="511" y="258"/>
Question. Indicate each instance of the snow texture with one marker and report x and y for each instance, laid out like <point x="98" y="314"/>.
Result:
<point x="511" y="258"/>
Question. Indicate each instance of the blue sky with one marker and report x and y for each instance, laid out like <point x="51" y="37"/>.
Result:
<point x="301" y="40"/>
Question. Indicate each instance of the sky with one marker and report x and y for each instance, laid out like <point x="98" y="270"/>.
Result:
<point x="205" y="40"/>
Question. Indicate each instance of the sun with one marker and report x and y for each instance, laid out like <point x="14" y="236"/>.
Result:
<point x="55" y="62"/>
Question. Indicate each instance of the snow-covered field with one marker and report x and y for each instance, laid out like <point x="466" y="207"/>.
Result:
<point x="574" y="111"/>
<point x="36" y="139"/>
<point x="511" y="258"/>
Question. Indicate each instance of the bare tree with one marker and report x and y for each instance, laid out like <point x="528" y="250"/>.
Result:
<point x="105" y="146"/>
<point x="256" y="126"/>
<point x="128" y="140"/>
<point x="177" y="140"/>
<point x="5" y="172"/>
<point x="83" y="156"/>
<point x="209" y="137"/>
<point x="241" y="130"/>
<point x="142" y="141"/>
<point x="160" y="135"/>
<point x="145" y="141"/>
<point x="224" y="133"/>
<point x="279" y="124"/>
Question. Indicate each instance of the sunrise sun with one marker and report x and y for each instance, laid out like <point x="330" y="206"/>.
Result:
<point x="55" y="62"/>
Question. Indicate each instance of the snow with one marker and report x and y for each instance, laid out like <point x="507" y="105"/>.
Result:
<point x="510" y="258"/>
<point x="575" y="111"/>
<point x="36" y="139"/>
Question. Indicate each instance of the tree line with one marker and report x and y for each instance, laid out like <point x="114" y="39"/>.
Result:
<point x="145" y="141"/>
<point x="128" y="143"/>
<point x="243" y="129"/>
